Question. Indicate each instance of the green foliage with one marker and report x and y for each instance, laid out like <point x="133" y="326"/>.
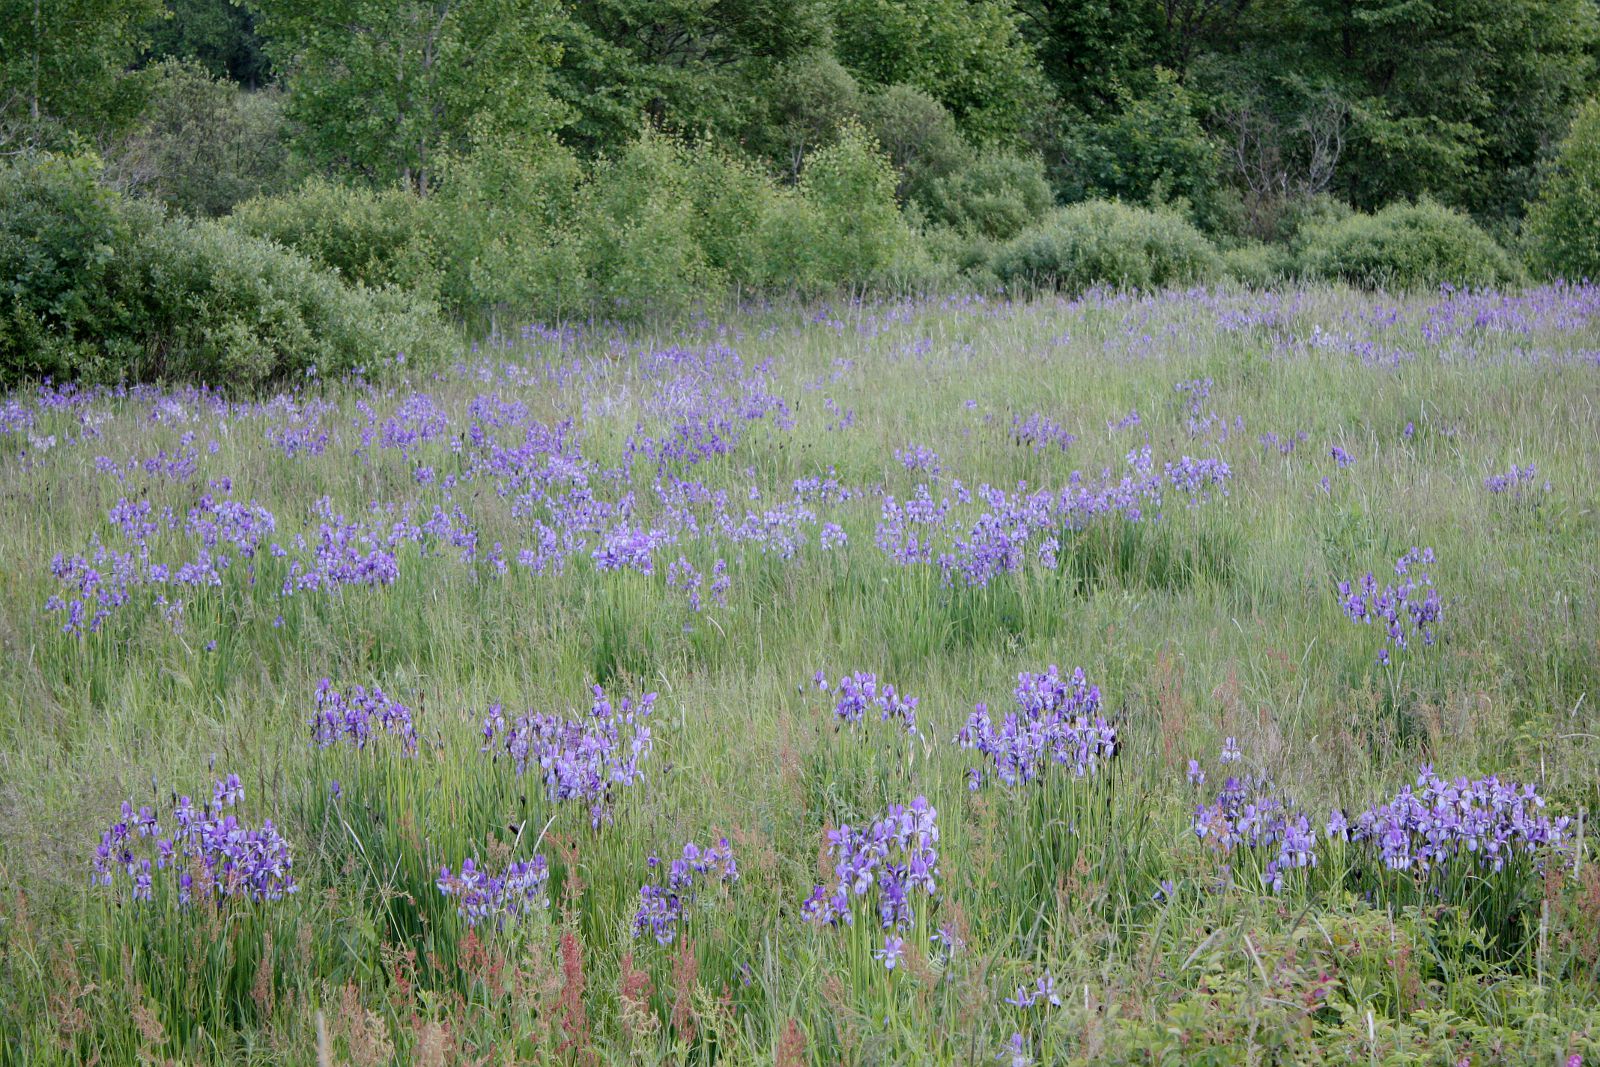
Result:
<point x="1459" y="99"/>
<point x="371" y="237"/>
<point x="638" y="231"/>
<point x="1563" y="227"/>
<point x="994" y="196"/>
<point x="688" y="66"/>
<point x="64" y="67"/>
<point x="918" y="135"/>
<point x="806" y="102"/>
<point x="218" y="35"/>
<point x="103" y="288"/>
<point x="1258" y="265"/>
<point x="504" y="224"/>
<point x="1152" y="150"/>
<point x="655" y="229"/>
<point x="384" y="90"/>
<point x="967" y="54"/>
<point x="201" y="144"/>
<point x="1405" y="246"/>
<point x="845" y="228"/>
<point x="1103" y="242"/>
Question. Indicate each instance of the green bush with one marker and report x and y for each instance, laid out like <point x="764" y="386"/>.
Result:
<point x="1104" y="242"/>
<point x="1563" y="227"/>
<point x="845" y="229"/>
<point x="1405" y="246"/>
<point x="1153" y="149"/>
<point x="656" y="228"/>
<point x="995" y="196"/>
<point x="918" y="135"/>
<point x="98" y="287"/>
<point x="637" y="227"/>
<point x="375" y="237"/>
<point x="505" y="226"/>
<point x="202" y="144"/>
<point x="1258" y="265"/>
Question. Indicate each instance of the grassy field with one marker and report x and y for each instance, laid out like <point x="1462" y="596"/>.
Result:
<point x="385" y="609"/>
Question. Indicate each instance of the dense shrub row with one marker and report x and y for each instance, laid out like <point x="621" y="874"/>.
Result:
<point x="657" y="227"/>
<point x="333" y="277"/>
<point x="99" y="287"/>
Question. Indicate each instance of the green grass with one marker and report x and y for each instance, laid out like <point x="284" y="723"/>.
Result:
<point x="1217" y="620"/>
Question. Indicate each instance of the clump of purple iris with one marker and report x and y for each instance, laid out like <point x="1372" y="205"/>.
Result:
<point x="1043" y="991"/>
<point x="661" y="905"/>
<point x="915" y="457"/>
<point x="1248" y="817"/>
<point x="1283" y="445"/>
<point x="578" y="759"/>
<point x="356" y="717"/>
<point x="1056" y="720"/>
<point x="1199" y="477"/>
<point x="1040" y="432"/>
<point x="1408" y="609"/>
<point x="884" y="867"/>
<point x="210" y="852"/>
<point x="1341" y="457"/>
<point x="860" y="691"/>
<point x="1517" y="483"/>
<point x="1478" y="824"/>
<point x="481" y="897"/>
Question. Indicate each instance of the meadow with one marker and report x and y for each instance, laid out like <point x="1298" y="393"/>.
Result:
<point x="1192" y="677"/>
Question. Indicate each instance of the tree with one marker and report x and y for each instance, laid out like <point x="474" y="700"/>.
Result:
<point x="202" y="144"/>
<point x="1458" y="98"/>
<point x="690" y="66"/>
<point x="384" y="89"/>
<point x="1564" y="223"/>
<point x="219" y="35"/>
<point x="64" y="64"/>
<point x="969" y="55"/>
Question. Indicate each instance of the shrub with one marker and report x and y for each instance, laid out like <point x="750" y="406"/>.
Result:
<point x="995" y="196"/>
<point x="638" y="230"/>
<point x="70" y="304"/>
<point x="202" y="144"/>
<point x="918" y="135"/>
<point x="1152" y="149"/>
<point x="504" y="220"/>
<point x="102" y="288"/>
<point x="1258" y="265"/>
<point x="374" y="237"/>
<point x="1405" y="246"/>
<point x="732" y="204"/>
<point x="846" y="228"/>
<point x="806" y="102"/>
<point x="1103" y="242"/>
<point x="234" y="310"/>
<point x="1563" y="224"/>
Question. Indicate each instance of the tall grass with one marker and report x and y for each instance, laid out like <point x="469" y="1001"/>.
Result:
<point x="1217" y="619"/>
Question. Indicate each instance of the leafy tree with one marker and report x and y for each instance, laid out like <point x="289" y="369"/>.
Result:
<point x="1459" y="98"/>
<point x="969" y="55"/>
<point x="918" y="135"/>
<point x="806" y="102"/>
<point x="219" y="35"/>
<point x="685" y="65"/>
<point x="1563" y="226"/>
<point x="203" y="143"/>
<point x="64" y="63"/>
<point x="385" y="89"/>
<point x="1151" y="149"/>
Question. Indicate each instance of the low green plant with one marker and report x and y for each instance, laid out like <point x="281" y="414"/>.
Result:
<point x="1405" y="246"/>
<point x="1103" y="242"/>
